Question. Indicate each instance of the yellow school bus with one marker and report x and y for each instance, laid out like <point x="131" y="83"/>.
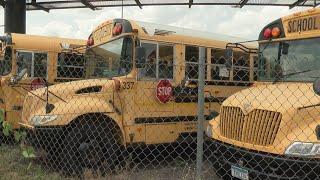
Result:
<point x="271" y="130"/>
<point x="28" y="62"/>
<point x="143" y="91"/>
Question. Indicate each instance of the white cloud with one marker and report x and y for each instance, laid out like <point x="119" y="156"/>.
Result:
<point x="53" y="28"/>
<point x="249" y="22"/>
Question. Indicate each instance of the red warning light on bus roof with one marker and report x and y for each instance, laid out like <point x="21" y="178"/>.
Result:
<point x="267" y="33"/>
<point x="117" y="29"/>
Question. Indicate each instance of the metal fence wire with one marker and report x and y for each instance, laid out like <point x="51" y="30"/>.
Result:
<point x="106" y="117"/>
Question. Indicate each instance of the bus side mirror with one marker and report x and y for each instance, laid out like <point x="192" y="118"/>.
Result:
<point x="140" y="56"/>
<point x="229" y="53"/>
<point x="18" y="77"/>
<point x="285" y="48"/>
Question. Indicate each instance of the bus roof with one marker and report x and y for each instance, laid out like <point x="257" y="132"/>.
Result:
<point x="300" y="25"/>
<point x="170" y="34"/>
<point x="43" y="43"/>
<point x="302" y="13"/>
<point x="159" y="29"/>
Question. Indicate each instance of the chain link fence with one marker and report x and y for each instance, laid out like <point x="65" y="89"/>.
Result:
<point x="105" y="117"/>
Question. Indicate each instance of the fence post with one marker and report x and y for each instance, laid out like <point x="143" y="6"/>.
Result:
<point x="200" y="112"/>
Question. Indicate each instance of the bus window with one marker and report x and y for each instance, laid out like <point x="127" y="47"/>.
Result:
<point x="149" y="70"/>
<point x="192" y="59"/>
<point x="110" y="59"/>
<point x="241" y="61"/>
<point x="35" y="63"/>
<point x="24" y="61"/>
<point x="165" y="61"/>
<point x="192" y="62"/>
<point x="219" y="70"/>
<point x="40" y="65"/>
<point x="70" y="66"/>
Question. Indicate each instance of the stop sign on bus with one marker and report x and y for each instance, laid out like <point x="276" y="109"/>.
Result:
<point x="164" y="91"/>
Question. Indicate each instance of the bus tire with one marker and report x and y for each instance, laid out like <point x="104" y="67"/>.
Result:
<point x="92" y="146"/>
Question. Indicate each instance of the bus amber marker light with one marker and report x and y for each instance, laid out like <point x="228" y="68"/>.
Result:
<point x="275" y="32"/>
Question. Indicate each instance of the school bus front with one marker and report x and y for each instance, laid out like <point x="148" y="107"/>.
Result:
<point x="271" y="130"/>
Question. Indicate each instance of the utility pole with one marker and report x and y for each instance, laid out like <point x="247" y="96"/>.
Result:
<point x="15" y="16"/>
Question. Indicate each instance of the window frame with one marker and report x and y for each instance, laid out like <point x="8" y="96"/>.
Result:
<point x="157" y="58"/>
<point x="234" y="69"/>
<point x="70" y="66"/>
<point x="32" y="61"/>
<point x="197" y="63"/>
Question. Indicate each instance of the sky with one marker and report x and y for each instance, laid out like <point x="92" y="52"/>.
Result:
<point x="245" y="23"/>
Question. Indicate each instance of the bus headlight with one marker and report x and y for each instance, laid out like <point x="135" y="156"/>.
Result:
<point x="42" y="119"/>
<point x="303" y="149"/>
<point x="209" y="131"/>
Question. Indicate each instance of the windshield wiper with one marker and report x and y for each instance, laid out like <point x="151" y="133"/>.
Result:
<point x="289" y="74"/>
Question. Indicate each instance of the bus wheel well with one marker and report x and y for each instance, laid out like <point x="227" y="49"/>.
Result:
<point x="98" y="119"/>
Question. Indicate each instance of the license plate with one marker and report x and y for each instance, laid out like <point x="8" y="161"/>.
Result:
<point x="239" y="173"/>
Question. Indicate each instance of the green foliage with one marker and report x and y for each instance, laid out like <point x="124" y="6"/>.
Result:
<point x="19" y="135"/>
<point x="28" y="152"/>
<point x="1" y="116"/>
<point x="7" y="128"/>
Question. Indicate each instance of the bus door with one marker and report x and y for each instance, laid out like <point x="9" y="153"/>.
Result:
<point x="31" y="71"/>
<point x="149" y="110"/>
<point x="158" y="65"/>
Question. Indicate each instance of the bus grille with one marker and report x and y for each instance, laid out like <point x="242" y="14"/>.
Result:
<point x="258" y="127"/>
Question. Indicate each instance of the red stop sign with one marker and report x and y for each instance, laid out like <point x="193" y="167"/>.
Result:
<point x="37" y="83"/>
<point x="164" y="90"/>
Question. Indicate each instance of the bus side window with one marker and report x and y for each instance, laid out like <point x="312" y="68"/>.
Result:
<point x="165" y="61"/>
<point x="40" y="65"/>
<point x="24" y="61"/>
<point x="219" y="70"/>
<point x="149" y="69"/>
<point x="241" y="70"/>
<point x="71" y="65"/>
<point x="192" y="62"/>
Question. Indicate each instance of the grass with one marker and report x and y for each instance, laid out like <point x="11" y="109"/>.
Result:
<point x="14" y="166"/>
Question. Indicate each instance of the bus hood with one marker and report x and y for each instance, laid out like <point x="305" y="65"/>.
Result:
<point x="280" y="97"/>
<point x="64" y="93"/>
<point x="69" y="89"/>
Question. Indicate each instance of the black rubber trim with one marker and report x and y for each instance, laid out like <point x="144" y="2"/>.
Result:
<point x="159" y="120"/>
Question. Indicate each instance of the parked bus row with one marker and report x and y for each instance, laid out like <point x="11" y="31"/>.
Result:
<point x="140" y="86"/>
<point x="146" y="91"/>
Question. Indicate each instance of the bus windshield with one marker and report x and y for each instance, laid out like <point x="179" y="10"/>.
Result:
<point x="111" y="59"/>
<point x="6" y="62"/>
<point x="301" y="63"/>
